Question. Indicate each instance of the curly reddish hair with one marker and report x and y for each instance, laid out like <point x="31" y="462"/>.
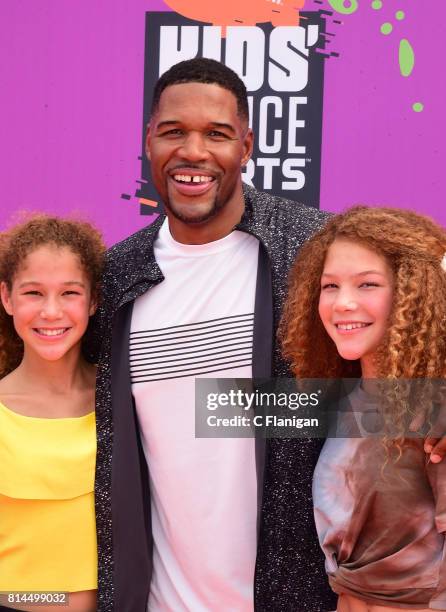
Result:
<point x="17" y="243"/>
<point x="414" y="345"/>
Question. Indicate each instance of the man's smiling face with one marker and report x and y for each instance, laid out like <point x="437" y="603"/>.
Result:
<point x="197" y="143"/>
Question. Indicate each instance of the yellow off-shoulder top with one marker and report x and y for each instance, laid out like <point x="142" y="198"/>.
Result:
<point x="47" y="524"/>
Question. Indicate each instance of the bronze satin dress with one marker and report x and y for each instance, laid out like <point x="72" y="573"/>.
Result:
<point x="381" y="525"/>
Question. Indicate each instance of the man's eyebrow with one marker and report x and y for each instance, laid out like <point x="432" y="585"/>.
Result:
<point x="228" y="126"/>
<point x="166" y="123"/>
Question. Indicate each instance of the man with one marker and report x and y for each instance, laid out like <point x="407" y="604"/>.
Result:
<point x="199" y="293"/>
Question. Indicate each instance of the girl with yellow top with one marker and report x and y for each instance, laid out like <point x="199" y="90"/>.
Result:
<point x="49" y="285"/>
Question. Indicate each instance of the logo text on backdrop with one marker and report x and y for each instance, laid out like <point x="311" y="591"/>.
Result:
<point x="283" y="74"/>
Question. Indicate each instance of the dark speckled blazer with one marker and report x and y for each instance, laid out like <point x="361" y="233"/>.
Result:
<point x="290" y="574"/>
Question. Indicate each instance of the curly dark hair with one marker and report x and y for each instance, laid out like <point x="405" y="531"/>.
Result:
<point x="16" y="243"/>
<point x="414" y="346"/>
<point x="203" y="70"/>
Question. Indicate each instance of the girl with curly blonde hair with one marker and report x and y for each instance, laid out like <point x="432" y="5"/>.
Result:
<point x="50" y="272"/>
<point x="367" y="299"/>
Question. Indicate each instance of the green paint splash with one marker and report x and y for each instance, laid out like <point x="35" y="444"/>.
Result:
<point x="345" y="7"/>
<point x="406" y="52"/>
<point x="406" y="57"/>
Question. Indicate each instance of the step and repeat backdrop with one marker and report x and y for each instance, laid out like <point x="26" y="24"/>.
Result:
<point x="346" y="100"/>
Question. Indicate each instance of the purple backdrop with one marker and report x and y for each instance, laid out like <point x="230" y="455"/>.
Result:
<point x="71" y="80"/>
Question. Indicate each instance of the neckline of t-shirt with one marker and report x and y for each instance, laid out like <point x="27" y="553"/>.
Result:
<point x="364" y="396"/>
<point x="166" y="239"/>
<point x="34" y="418"/>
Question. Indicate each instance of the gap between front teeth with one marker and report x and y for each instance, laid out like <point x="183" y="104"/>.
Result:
<point x="187" y="178"/>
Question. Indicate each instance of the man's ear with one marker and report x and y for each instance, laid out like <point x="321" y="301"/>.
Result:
<point x="148" y="138"/>
<point x="248" y="144"/>
<point x="5" y="297"/>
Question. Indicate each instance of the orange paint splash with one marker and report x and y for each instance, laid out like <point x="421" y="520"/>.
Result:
<point x="239" y="12"/>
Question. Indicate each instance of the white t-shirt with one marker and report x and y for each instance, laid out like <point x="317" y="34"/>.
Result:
<point x="197" y="323"/>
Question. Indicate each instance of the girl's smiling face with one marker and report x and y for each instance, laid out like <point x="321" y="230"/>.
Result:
<point x="356" y="301"/>
<point x="50" y="302"/>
